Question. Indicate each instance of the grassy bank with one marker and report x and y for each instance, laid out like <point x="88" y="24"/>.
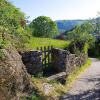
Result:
<point x="58" y="88"/>
<point x="40" y="42"/>
<point x="73" y="76"/>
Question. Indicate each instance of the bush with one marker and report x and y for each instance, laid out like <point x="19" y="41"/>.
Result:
<point x="77" y="47"/>
<point x="95" y="50"/>
<point x="3" y="43"/>
<point x="81" y="37"/>
<point x="12" y="22"/>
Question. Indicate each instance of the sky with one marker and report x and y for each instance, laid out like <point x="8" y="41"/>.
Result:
<point x="59" y="9"/>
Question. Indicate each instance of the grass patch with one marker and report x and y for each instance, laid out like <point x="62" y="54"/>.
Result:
<point x="58" y="88"/>
<point x="40" y="42"/>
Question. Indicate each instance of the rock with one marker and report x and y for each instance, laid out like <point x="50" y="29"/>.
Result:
<point x="14" y="79"/>
<point x="47" y="88"/>
<point x="57" y="76"/>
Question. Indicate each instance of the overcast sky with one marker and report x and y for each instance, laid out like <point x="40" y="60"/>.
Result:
<point x="59" y="9"/>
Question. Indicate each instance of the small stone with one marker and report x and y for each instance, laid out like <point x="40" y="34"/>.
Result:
<point x="47" y="88"/>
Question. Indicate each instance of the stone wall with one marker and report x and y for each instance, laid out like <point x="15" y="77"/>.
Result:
<point x="59" y="59"/>
<point x="64" y="61"/>
<point x="32" y="60"/>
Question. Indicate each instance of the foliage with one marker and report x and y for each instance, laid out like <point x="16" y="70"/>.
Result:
<point x="81" y="37"/>
<point x="43" y="26"/>
<point x="95" y="51"/>
<point x="12" y="21"/>
<point x="82" y="32"/>
<point x="96" y="24"/>
<point x="4" y="43"/>
<point x="2" y="55"/>
<point x="33" y="96"/>
<point x="40" y="42"/>
<point x="10" y="16"/>
<point x="81" y="44"/>
<point x="97" y="47"/>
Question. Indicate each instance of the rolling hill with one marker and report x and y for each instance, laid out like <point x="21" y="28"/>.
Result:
<point x="65" y="25"/>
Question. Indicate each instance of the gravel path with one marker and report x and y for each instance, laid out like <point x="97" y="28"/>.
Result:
<point x="87" y="86"/>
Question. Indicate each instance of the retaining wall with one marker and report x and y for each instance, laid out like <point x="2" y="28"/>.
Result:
<point x="64" y="61"/>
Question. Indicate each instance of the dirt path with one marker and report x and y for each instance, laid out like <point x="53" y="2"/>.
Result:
<point x="87" y="86"/>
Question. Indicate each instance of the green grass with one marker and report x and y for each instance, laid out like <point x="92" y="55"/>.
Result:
<point x="40" y="42"/>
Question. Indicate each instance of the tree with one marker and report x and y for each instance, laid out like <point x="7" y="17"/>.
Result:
<point x="43" y="26"/>
<point x="95" y="50"/>
<point x="82" y="38"/>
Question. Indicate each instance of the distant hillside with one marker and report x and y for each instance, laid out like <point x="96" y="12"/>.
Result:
<point x="65" y="25"/>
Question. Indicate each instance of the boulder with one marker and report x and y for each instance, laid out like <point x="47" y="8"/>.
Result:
<point x="14" y="79"/>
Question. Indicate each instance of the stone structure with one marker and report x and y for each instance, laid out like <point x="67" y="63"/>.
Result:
<point x="32" y="60"/>
<point x="64" y="61"/>
<point x="58" y="59"/>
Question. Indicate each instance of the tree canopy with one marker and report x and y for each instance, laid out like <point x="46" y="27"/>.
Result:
<point x="81" y="37"/>
<point x="82" y="32"/>
<point x="43" y="26"/>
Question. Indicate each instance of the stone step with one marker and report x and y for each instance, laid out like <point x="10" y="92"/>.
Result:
<point x="57" y="76"/>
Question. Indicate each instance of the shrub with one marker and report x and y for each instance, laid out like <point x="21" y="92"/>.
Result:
<point x="12" y="21"/>
<point x="3" y="43"/>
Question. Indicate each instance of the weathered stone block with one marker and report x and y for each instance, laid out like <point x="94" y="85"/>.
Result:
<point x="33" y="61"/>
<point x="59" y="59"/>
<point x="35" y="53"/>
<point x="33" y="68"/>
